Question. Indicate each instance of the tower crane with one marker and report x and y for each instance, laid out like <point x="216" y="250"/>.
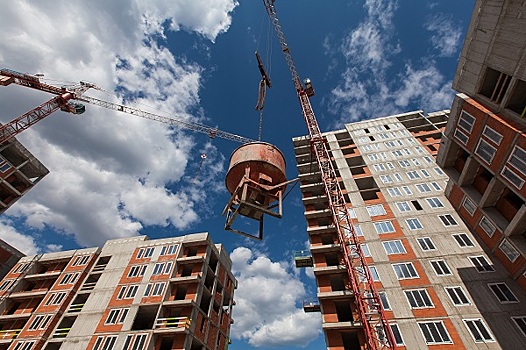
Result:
<point x="378" y="334"/>
<point x="65" y="100"/>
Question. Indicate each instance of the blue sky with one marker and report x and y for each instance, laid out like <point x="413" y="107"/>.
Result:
<point x="117" y="176"/>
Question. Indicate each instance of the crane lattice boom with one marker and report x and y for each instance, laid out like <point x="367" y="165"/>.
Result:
<point x="372" y="316"/>
<point x="76" y="92"/>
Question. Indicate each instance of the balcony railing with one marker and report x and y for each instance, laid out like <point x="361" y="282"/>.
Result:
<point x="88" y="286"/>
<point x="9" y="333"/>
<point x="75" y="307"/>
<point x="61" y="332"/>
<point x="172" y="322"/>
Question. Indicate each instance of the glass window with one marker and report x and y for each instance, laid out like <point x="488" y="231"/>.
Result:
<point x="404" y="163"/>
<point x="394" y="192"/>
<point x="434" y="332"/>
<point x="469" y="206"/>
<point x="466" y="121"/>
<point x="365" y="250"/>
<point x="503" y="293"/>
<point x="405" y="270"/>
<point x="485" y="151"/>
<point x="436" y="186"/>
<point x="428" y="159"/>
<point x="520" y="321"/>
<point x="509" y="250"/>
<point x="379" y="167"/>
<point x="481" y="264"/>
<point x="358" y="230"/>
<point x="403" y="206"/>
<point x="440" y="267"/>
<point x="434" y="203"/>
<point x="386" y="179"/>
<point x="389" y="165"/>
<point x="457" y="296"/>
<point x="384" y="227"/>
<point x="492" y="135"/>
<point x="396" y="333"/>
<point x="478" y="330"/>
<point x="418" y="298"/>
<point x="414" y="224"/>
<point x="423" y="188"/>
<point x="398" y="177"/>
<point x="426" y="243"/>
<point x="394" y="247"/>
<point x="375" y="210"/>
<point x="463" y="240"/>
<point x="448" y="220"/>
<point x="413" y="175"/>
<point x="487" y="226"/>
<point x="407" y="190"/>
<point x="415" y="161"/>
<point x="518" y="160"/>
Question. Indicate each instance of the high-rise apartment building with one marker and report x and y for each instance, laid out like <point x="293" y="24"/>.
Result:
<point x="439" y="287"/>
<point x="9" y="256"/>
<point x="19" y="172"/>
<point x="133" y="293"/>
<point x="484" y="146"/>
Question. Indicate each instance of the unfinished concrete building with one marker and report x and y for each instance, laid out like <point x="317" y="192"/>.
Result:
<point x="9" y="256"/>
<point x="133" y="293"/>
<point x="19" y="172"/>
<point x="484" y="146"/>
<point x="439" y="287"/>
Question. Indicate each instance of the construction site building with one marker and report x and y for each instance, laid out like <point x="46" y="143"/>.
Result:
<point x="439" y="286"/>
<point x="133" y="293"/>
<point x="9" y="256"/>
<point x="19" y="172"/>
<point x="484" y="147"/>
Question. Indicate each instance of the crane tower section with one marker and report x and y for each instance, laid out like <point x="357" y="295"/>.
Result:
<point x="378" y="334"/>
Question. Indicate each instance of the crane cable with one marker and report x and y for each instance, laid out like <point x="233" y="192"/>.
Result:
<point x="265" y="80"/>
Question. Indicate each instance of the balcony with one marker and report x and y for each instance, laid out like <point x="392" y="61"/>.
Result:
<point x="43" y="276"/>
<point x="316" y="230"/>
<point x="7" y="335"/>
<point x="25" y="294"/>
<point x="321" y="270"/>
<point x="341" y="325"/>
<point x="336" y="294"/>
<point x="313" y="214"/>
<point x="61" y="332"/>
<point x="325" y="248"/>
<point x="75" y="307"/>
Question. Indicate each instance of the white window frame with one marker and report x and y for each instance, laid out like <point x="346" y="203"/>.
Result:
<point x="490" y="133"/>
<point x="423" y="188"/>
<point x="518" y="161"/>
<point x="413" y="175"/>
<point x="482" y="152"/>
<point x="105" y="342"/>
<point x="403" y="206"/>
<point x="440" y="267"/>
<point x="408" y="266"/>
<point x="503" y="289"/>
<point x="461" y="136"/>
<point x="481" y="264"/>
<point x="382" y="225"/>
<point x="436" y="325"/>
<point x="376" y="210"/>
<point x="414" y="224"/>
<point x="476" y="324"/>
<point x="510" y="251"/>
<point x="407" y="190"/>
<point x="486" y="225"/>
<point x="394" y="247"/>
<point x="436" y="186"/>
<point x="448" y="217"/>
<point x="424" y="242"/>
<point x="463" y="240"/>
<point x="469" y="205"/>
<point x="394" y="192"/>
<point x="459" y="294"/>
<point x="434" y="203"/>
<point x="404" y="163"/>
<point x="470" y="121"/>
<point x="520" y="320"/>
<point x="419" y="296"/>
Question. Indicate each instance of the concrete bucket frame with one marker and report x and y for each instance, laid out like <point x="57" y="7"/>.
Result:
<point x="256" y="180"/>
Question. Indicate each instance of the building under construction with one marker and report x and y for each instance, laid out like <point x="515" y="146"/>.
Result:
<point x="437" y="284"/>
<point x="133" y="293"/>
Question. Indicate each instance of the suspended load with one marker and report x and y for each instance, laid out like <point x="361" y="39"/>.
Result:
<point x="256" y="180"/>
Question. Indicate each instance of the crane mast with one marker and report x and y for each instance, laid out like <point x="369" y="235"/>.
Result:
<point x="76" y="93"/>
<point x="378" y="334"/>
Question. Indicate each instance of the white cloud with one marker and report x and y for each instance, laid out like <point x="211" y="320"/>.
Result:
<point x="111" y="174"/>
<point x="446" y="35"/>
<point x="369" y="87"/>
<point x="266" y="312"/>
<point x="24" y="243"/>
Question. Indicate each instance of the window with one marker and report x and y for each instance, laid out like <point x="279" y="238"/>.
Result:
<point x="469" y="206"/>
<point x="36" y="322"/>
<point x="80" y="260"/>
<point x="389" y="165"/>
<point x="518" y="160"/>
<point x="137" y="271"/>
<point x="517" y="100"/>
<point x="438" y="171"/>
<point x="434" y="332"/>
<point x="55" y="298"/>
<point x="434" y="203"/>
<point x="386" y="179"/>
<point x="495" y="85"/>
<point x="478" y="330"/>
<point x="459" y="135"/>
<point x="398" y="177"/>
<point x="169" y="250"/>
<point x="415" y="161"/>
<point x="116" y="316"/>
<point x="405" y="270"/>
<point x="365" y="250"/>
<point x="385" y="302"/>
<point x="503" y="293"/>
<point x="407" y="190"/>
<point x="368" y="148"/>
<point x="404" y="163"/>
<point x="466" y="121"/>
<point x="509" y="250"/>
<point x="358" y="230"/>
<point x="128" y="292"/>
<point x="425" y="173"/>
<point x="492" y="135"/>
<point x="372" y="157"/>
<point x="396" y="333"/>
<point x="374" y="274"/>
<point x="69" y="278"/>
<point x="436" y="186"/>
<point x="384" y="227"/>
<point x="487" y="226"/>
<point x="463" y="240"/>
<point x="485" y="151"/>
<point x="397" y="153"/>
<point x="418" y="298"/>
<point x="423" y="188"/>
<point x="426" y="243"/>
<point x="135" y="342"/>
<point x="457" y="296"/>
<point x="379" y="167"/>
<point x="413" y="175"/>
<point x="414" y="224"/>
<point x="351" y="213"/>
<point x="448" y="220"/>
<point x="440" y="267"/>
<point x="481" y="264"/>
<point x="408" y="152"/>
<point x="145" y="252"/>
<point x="105" y="342"/>
<point x="428" y="159"/>
<point x="158" y="269"/>
<point x="418" y="149"/>
<point x="375" y="210"/>
<point x="24" y="345"/>
<point x="520" y="321"/>
<point x="158" y="289"/>
<point x="394" y="192"/>
<point x="384" y="136"/>
<point x="389" y="144"/>
<point x="403" y="206"/>
<point x="394" y="247"/>
<point x="6" y="284"/>
<point x="512" y="177"/>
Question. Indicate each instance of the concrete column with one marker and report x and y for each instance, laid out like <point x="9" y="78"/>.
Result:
<point x="517" y="226"/>
<point x="469" y="172"/>
<point x="492" y="193"/>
